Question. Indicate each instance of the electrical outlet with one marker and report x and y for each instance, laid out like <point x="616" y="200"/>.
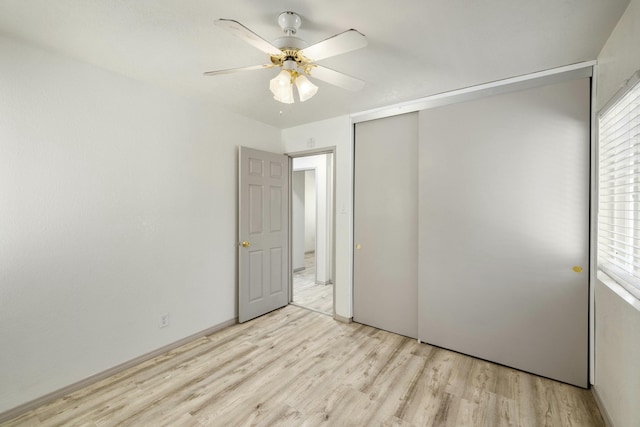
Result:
<point x="164" y="320"/>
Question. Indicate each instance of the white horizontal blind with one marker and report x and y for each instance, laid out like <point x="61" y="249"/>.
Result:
<point x="619" y="189"/>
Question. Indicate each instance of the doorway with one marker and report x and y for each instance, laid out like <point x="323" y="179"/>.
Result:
<point x="312" y="234"/>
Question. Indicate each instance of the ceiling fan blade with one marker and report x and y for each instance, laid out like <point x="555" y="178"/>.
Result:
<point x="247" y="35"/>
<point x="336" y="78"/>
<point x="336" y="45"/>
<point x="233" y="70"/>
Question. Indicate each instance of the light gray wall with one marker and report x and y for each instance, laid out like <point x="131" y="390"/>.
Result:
<point x="617" y="341"/>
<point x="620" y="56"/>
<point x="117" y="205"/>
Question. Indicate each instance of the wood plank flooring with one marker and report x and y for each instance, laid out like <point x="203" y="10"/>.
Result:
<point x="295" y="367"/>
<point x="307" y="293"/>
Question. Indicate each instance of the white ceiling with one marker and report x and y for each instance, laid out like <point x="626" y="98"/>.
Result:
<point x="416" y="47"/>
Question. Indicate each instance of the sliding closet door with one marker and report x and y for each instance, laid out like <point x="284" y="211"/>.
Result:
<point x="504" y="229"/>
<point x="385" y="224"/>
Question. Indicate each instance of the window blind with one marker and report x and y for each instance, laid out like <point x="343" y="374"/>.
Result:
<point x="619" y="188"/>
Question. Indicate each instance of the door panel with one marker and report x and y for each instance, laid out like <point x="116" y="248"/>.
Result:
<point x="263" y="263"/>
<point x="275" y="204"/>
<point x="276" y="282"/>
<point x="255" y="275"/>
<point x="504" y="218"/>
<point x="385" y="224"/>
<point x="255" y="209"/>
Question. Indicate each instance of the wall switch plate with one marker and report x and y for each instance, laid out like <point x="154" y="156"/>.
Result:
<point x="164" y="320"/>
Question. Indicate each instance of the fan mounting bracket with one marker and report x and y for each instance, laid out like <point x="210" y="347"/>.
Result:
<point x="289" y="22"/>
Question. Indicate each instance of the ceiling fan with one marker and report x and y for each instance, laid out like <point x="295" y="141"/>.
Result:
<point x="296" y="58"/>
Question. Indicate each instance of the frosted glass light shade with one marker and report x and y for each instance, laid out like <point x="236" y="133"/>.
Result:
<point x="282" y="88"/>
<point x="306" y="89"/>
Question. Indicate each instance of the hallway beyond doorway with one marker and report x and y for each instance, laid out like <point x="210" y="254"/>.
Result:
<point x="307" y="293"/>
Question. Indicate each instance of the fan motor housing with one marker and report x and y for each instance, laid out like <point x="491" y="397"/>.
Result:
<point x="290" y="42"/>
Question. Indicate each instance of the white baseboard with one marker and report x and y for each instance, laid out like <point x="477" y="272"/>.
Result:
<point x="601" y="407"/>
<point x="36" y="403"/>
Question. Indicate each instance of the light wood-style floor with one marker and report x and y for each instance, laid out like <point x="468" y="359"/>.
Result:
<point x="297" y="367"/>
<point x="307" y="293"/>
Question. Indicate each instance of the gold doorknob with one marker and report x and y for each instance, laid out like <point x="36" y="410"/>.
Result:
<point x="577" y="269"/>
<point x="245" y="244"/>
<point x="358" y="246"/>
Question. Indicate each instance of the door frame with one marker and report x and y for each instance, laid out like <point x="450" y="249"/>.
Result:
<point x="332" y="248"/>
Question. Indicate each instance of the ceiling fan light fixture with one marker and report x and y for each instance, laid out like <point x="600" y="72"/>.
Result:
<point x="306" y="89"/>
<point x="282" y="88"/>
<point x="295" y="57"/>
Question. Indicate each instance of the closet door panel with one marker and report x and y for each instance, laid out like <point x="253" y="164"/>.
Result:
<point x="504" y="229"/>
<point x="385" y="224"/>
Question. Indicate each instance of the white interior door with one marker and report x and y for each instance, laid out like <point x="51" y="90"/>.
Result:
<point x="504" y="229"/>
<point x="385" y="270"/>
<point x="263" y="233"/>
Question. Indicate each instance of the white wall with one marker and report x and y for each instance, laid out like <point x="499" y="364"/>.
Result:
<point x="298" y="219"/>
<point x="309" y="210"/>
<point x="336" y="133"/>
<point x="617" y="341"/>
<point x="330" y="217"/>
<point x="117" y="204"/>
